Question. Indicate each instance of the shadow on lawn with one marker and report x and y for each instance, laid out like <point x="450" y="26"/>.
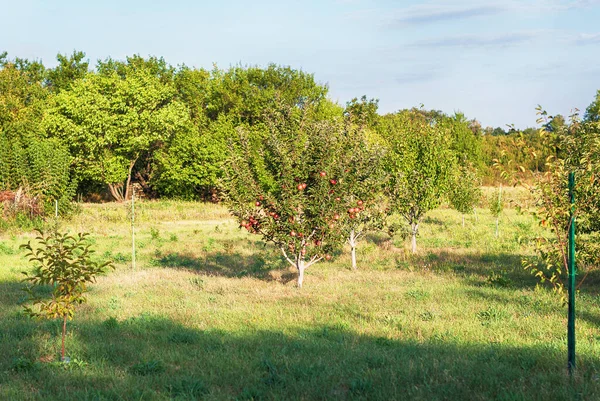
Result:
<point x="152" y="357"/>
<point x="261" y="265"/>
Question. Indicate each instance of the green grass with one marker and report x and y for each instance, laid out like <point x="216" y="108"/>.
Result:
<point x="211" y="313"/>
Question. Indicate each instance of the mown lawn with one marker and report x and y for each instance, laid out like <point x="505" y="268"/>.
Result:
<point x="211" y="313"/>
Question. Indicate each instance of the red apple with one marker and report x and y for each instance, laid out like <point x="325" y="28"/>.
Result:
<point x="257" y="203"/>
<point x="333" y="182"/>
<point x="328" y="257"/>
<point x="359" y="202"/>
<point x="322" y="174"/>
<point x="336" y="216"/>
<point x="293" y="233"/>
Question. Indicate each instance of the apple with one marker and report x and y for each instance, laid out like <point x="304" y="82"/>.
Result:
<point x="359" y="202"/>
<point x="328" y="257"/>
<point x="338" y="199"/>
<point x="257" y="203"/>
<point x="293" y="233"/>
<point x="333" y="182"/>
<point x="322" y="174"/>
<point x="336" y="216"/>
<point x="300" y="187"/>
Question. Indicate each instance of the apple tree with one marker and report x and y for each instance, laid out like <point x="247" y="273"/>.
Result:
<point x="419" y="163"/>
<point x="283" y="182"/>
<point x="465" y="191"/>
<point x="361" y="184"/>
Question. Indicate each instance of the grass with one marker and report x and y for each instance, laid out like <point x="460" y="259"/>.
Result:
<point x="211" y="313"/>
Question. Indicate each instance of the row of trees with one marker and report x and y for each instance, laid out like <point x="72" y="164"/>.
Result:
<point x="310" y="179"/>
<point x="167" y="128"/>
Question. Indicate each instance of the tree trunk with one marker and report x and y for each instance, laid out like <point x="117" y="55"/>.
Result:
<point x="64" y="333"/>
<point x="463" y="221"/>
<point x="415" y="228"/>
<point x="476" y="216"/>
<point x="116" y="190"/>
<point x="131" y="164"/>
<point x="301" y="267"/>
<point x="352" y="242"/>
<point x="497" y="227"/>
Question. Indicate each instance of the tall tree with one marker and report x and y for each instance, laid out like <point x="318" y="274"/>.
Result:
<point x="419" y="162"/>
<point x="69" y="69"/>
<point x="111" y="121"/>
<point x="592" y="112"/>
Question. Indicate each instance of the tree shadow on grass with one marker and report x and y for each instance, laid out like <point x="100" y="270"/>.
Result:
<point x="264" y="266"/>
<point x="152" y="357"/>
<point x="477" y="267"/>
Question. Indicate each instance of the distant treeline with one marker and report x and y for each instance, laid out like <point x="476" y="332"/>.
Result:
<point x="73" y="131"/>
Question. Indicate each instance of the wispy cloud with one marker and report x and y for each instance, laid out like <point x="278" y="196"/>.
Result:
<point x="476" y="41"/>
<point x="587" y="39"/>
<point x="433" y="14"/>
<point x="419" y="74"/>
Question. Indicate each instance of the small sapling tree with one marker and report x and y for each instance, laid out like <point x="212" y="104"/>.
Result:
<point x="419" y="163"/>
<point x="64" y="262"/>
<point x="576" y="149"/>
<point x="282" y="183"/>
<point x="465" y="192"/>
<point x="496" y="206"/>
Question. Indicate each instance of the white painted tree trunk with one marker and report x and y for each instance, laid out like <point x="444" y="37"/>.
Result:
<point x="301" y="267"/>
<point x="463" y="220"/>
<point x="497" y="227"/>
<point x="415" y="228"/>
<point x="352" y="242"/>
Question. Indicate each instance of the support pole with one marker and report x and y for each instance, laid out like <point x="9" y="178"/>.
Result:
<point x="571" y="283"/>
<point x="133" y="228"/>
<point x="56" y="208"/>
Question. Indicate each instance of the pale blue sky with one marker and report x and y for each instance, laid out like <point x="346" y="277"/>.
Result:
<point x="492" y="60"/>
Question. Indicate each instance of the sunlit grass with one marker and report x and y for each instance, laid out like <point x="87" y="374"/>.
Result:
<point x="210" y="312"/>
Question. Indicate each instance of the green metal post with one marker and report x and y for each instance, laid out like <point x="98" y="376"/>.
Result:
<point x="572" y="273"/>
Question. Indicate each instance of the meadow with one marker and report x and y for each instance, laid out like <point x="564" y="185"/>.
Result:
<point x="211" y="312"/>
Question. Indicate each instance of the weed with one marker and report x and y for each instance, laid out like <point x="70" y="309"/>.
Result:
<point x="22" y="364"/>
<point x="148" y="368"/>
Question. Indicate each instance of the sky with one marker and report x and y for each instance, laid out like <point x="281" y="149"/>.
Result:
<point x="491" y="60"/>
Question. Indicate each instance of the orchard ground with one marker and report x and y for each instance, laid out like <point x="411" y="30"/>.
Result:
<point x="212" y="313"/>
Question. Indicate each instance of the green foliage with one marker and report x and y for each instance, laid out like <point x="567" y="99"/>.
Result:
<point x="68" y="70"/>
<point x="114" y="119"/>
<point x="66" y="263"/>
<point x="496" y="203"/>
<point x="419" y="163"/>
<point x="282" y="182"/>
<point x="592" y="112"/>
<point x="465" y="192"/>
<point x="577" y="150"/>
